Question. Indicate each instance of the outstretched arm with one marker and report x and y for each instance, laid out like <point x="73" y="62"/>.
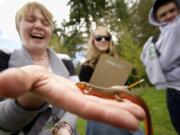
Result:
<point x="63" y="93"/>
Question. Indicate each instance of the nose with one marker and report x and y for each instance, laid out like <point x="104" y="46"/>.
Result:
<point x="103" y="39"/>
<point x="38" y="24"/>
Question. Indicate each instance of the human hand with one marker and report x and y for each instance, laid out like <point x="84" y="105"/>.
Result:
<point x="63" y="93"/>
<point x="62" y="128"/>
<point x="63" y="131"/>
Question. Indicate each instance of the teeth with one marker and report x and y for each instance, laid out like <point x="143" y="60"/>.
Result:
<point x="37" y="35"/>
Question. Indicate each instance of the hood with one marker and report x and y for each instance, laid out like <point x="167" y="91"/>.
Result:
<point x="152" y="19"/>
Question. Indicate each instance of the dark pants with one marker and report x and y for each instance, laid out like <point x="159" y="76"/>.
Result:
<point x="173" y="104"/>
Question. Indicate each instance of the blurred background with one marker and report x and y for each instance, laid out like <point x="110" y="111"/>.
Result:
<point x="75" y="19"/>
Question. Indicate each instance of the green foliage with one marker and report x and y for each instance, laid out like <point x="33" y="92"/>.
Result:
<point x="83" y="12"/>
<point x="131" y="51"/>
<point x="157" y="104"/>
<point x="138" y="22"/>
<point x="81" y="126"/>
<point x="83" y="15"/>
<point x="71" y="42"/>
<point x="66" y="43"/>
<point x="55" y="44"/>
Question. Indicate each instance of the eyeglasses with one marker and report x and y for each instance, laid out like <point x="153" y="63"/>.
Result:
<point x="100" y="37"/>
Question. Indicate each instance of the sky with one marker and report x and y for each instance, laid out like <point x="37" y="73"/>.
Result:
<point x="8" y="8"/>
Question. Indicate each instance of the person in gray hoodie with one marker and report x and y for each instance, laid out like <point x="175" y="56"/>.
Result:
<point x="162" y="58"/>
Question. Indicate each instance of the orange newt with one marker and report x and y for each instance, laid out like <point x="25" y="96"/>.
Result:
<point x="119" y="95"/>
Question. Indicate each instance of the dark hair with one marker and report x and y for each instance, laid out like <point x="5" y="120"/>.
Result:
<point x="160" y="3"/>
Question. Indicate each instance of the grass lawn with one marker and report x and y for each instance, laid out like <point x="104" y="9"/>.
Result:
<point x="157" y="104"/>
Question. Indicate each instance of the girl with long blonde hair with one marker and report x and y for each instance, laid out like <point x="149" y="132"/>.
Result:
<point x="100" y="42"/>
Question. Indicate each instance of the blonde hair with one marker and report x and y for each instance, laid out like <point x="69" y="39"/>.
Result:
<point x="93" y="53"/>
<point x="23" y="12"/>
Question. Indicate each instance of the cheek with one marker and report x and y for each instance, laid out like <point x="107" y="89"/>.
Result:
<point x="22" y="34"/>
<point x="106" y="47"/>
<point x="162" y="19"/>
<point x="23" y="31"/>
<point x="175" y="14"/>
<point x="49" y="33"/>
<point x="96" y="45"/>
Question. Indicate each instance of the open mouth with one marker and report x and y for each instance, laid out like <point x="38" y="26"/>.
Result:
<point x="37" y="36"/>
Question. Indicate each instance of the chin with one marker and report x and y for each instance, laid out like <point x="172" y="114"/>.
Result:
<point x="103" y="49"/>
<point x="38" y="47"/>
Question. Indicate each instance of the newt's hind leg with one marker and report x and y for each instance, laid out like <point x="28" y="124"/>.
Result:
<point x="118" y="98"/>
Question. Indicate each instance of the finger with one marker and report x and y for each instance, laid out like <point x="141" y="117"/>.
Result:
<point x="67" y="83"/>
<point x="13" y="83"/>
<point x="63" y="131"/>
<point x="135" y="109"/>
<point x="89" y="109"/>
